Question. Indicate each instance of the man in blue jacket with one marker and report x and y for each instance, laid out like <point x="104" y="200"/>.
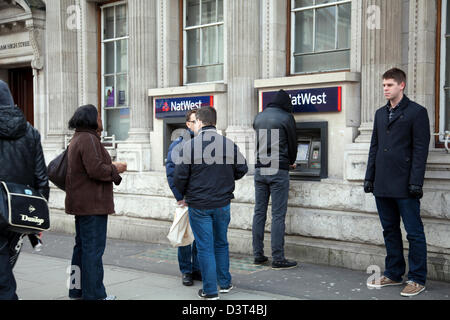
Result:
<point x="187" y="256"/>
<point x="395" y="175"/>
<point x="206" y="176"/>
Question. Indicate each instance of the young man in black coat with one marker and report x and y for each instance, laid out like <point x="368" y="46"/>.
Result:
<point x="395" y="175"/>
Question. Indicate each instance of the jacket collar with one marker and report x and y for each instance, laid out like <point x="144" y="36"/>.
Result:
<point x="91" y="131"/>
<point x="399" y="113"/>
<point x="208" y="128"/>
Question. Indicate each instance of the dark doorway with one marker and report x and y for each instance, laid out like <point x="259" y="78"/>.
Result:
<point x="21" y="85"/>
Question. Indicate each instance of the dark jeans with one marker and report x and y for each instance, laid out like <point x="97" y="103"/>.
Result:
<point x="390" y="210"/>
<point x="7" y="281"/>
<point x="187" y="259"/>
<point x="210" y="228"/>
<point x="87" y="265"/>
<point x="277" y="186"/>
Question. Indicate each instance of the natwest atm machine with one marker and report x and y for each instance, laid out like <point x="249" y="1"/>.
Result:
<point x="312" y="137"/>
<point x="312" y="154"/>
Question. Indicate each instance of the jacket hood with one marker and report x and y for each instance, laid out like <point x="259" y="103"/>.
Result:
<point x="12" y="121"/>
<point x="282" y="101"/>
<point x="6" y="98"/>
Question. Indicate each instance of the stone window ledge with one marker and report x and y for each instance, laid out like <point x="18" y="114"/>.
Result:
<point x="311" y="79"/>
<point x="213" y="88"/>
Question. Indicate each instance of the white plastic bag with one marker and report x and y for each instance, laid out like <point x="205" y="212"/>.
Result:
<point x="180" y="234"/>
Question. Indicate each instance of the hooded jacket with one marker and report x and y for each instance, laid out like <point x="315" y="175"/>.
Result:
<point x="21" y="156"/>
<point x="276" y="116"/>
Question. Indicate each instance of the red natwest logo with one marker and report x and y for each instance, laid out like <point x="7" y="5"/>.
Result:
<point x="166" y="107"/>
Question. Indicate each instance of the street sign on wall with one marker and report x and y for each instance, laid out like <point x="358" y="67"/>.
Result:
<point x="178" y="107"/>
<point x="310" y="100"/>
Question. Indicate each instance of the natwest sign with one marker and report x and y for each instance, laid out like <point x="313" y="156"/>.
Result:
<point x="178" y="107"/>
<point x="310" y="100"/>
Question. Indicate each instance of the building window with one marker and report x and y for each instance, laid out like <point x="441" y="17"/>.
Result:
<point x="115" y="85"/>
<point x="444" y="86"/>
<point x="203" y="41"/>
<point x="320" y="35"/>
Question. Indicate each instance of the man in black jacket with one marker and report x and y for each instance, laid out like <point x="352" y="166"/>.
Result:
<point x="276" y="154"/>
<point x="206" y="178"/>
<point x="21" y="161"/>
<point x="395" y="175"/>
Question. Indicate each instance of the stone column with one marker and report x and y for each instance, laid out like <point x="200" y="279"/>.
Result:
<point x="273" y="39"/>
<point x="36" y="29"/>
<point x="142" y="76"/>
<point x="168" y="25"/>
<point x="243" y="68"/>
<point x="381" y="50"/>
<point x="422" y="55"/>
<point x="88" y="63"/>
<point x="62" y="73"/>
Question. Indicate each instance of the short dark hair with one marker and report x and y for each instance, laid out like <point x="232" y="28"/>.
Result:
<point x="85" y="117"/>
<point x="398" y="75"/>
<point x="207" y="115"/>
<point x="189" y="114"/>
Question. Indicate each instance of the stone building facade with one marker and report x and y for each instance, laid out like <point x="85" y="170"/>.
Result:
<point x="131" y="57"/>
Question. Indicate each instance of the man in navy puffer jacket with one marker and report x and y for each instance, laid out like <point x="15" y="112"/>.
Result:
<point x="187" y="256"/>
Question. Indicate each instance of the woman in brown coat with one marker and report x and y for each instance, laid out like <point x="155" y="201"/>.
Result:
<point x="89" y="197"/>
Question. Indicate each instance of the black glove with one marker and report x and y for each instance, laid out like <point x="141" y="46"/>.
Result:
<point x="368" y="186"/>
<point x="415" y="191"/>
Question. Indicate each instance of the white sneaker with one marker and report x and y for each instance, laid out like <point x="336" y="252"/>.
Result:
<point x="110" y="298"/>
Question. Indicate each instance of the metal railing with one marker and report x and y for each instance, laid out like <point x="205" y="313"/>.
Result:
<point x="446" y="137"/>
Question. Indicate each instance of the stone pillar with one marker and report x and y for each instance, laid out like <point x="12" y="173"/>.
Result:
<point x="62" y="73"/>
<point x="273" y="38"/>
<point x="381" y="50"/>
<point x="168" y="24"/>
<point x="243" y="68"/>
<point x="142" y="76"/>
<point x="422" y="55"/>
<point x="88" y="63"/>
<point x="36" y="29"/>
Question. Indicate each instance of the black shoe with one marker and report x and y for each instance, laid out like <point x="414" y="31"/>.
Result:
<point x="260" y="260"/>
<point x="187" y="280"/>
<point x="197" y="275"/>
<point x="283" y="264"/>
<point x="204" y="296"/>
<point x="227" y="289"/>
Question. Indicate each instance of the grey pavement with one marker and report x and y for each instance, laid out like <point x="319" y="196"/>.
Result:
<point x="143" y="271"/>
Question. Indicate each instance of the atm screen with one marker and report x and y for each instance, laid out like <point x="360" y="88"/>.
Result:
<point x="303" y="152"/>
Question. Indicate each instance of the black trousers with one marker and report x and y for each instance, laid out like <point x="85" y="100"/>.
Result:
<point x="7" y="281"/>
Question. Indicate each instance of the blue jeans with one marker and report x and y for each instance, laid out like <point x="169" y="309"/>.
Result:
<point x="210" y="228"/>
<point x="390" y="210"/>
<point x="187" y="259"/>
<point x="90" y="243"/>
<point x="277" y="187"/>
